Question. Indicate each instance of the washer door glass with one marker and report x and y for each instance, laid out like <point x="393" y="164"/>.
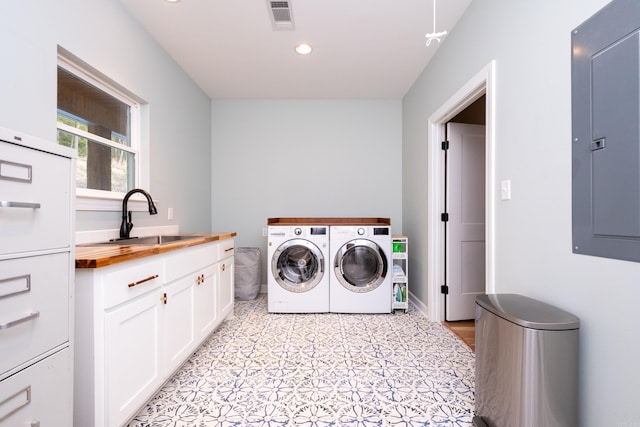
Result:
<point x="297" y="265"/>
<point x="360" y="265"/>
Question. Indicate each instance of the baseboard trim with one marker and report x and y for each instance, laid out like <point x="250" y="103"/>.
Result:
<point x="422" y="307"/>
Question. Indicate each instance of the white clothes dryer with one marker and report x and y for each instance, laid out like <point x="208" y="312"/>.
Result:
<point x="298" y="275"/>
<point x="361" y="263"/>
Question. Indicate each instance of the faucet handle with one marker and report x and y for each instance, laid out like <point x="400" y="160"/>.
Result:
<point x="129" y="223"/>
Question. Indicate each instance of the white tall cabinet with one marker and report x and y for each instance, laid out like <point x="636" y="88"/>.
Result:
<point x="37" y="192"/>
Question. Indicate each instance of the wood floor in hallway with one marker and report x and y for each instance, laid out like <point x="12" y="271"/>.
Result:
<point x="465" y="330"/>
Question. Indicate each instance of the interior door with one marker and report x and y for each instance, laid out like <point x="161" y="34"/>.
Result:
<point x="465" y="246"/>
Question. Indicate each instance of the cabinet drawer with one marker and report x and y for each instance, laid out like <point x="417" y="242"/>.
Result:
<point x="35" y="212"/>
<point x="191" y="259"/>
<point x="139" y="277"/>
<point x="227" y="247"/>
<point x="34" y="307"/>
<point x="41" y="393"/>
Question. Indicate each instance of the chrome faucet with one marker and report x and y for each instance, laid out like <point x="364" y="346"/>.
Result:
<point x="127" y="225"/>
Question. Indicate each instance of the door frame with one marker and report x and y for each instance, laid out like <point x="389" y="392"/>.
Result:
<point x="482" y="83"/>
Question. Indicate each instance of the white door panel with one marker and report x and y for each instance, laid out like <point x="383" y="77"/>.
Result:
<point x="466" y="225"/>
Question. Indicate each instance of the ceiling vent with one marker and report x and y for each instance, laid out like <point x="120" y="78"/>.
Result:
<point x="281" y="16"/>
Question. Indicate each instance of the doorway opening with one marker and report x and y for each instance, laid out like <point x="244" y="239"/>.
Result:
<point x="481" y="86"/>
<point x="464" y="218"/>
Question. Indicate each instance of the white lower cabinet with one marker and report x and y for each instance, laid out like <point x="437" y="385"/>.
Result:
<point x="126" y="351"/>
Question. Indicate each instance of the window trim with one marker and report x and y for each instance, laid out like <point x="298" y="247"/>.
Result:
<point x="101" y="200"/>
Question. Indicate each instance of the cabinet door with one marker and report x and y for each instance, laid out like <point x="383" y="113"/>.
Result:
<point x="225" y="290"/>
<point x="205" y="303"/>
<point x="133" y="362"/>
<point x="178" y="326"/>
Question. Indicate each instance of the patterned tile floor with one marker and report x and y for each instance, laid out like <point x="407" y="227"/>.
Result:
<point x="313" y="370"/>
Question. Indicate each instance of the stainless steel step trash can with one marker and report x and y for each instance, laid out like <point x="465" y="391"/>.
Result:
<point x="526" y="363"/>
<point x="247" y="273"/>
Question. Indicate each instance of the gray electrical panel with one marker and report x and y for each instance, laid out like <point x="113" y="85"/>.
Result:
<point x="605" y="80"/>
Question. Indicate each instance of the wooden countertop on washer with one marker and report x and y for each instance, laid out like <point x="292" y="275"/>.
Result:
<point x="98" y="255"/>
<point x="328" y="221"/>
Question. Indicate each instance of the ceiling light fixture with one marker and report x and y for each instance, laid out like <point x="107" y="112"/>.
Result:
<point x="172" y="1"/>
<point x="435" y="36"/>
<point x="303" y="49"/>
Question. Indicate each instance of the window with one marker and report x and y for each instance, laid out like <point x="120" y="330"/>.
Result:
<point x="100" y="123"/>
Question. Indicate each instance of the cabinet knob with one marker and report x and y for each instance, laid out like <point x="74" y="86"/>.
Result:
<point x="222" y="267"/>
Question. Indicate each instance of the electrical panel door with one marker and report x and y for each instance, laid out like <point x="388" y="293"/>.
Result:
<point x="606" y="132"/>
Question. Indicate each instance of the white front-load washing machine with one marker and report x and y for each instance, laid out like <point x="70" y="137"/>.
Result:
<point x="361" y="263"/>
<point x="298" y="275"/>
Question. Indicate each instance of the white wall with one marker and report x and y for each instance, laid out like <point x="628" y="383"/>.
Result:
<point x="311" y="158"/>
<point x="530" y="41"/>
<point x="102" y="34"/>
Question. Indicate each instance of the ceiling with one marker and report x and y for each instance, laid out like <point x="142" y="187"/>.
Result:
<point x="363" y="49"/>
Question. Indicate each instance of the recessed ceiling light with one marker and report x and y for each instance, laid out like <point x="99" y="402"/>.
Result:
<point x="172" y="1"/>
<point x="304" y="49"/>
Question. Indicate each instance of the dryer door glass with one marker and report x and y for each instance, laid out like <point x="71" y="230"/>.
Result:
<point x="298" y="265"/>
<point x="360" y="265"/>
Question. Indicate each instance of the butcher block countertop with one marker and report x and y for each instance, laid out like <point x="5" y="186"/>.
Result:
<point x="96" y="255"/>
<point x="328" y="221"/>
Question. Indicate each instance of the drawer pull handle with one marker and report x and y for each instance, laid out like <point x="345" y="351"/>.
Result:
<point x="15" y="285"/>
<point x="11" y="171"/>
<point x="14" y="399"/>
<point x="228" y="249"/>
<point x="8" y="204"/>
<point x="16" y="322"/>
<point x="139" y="282"/>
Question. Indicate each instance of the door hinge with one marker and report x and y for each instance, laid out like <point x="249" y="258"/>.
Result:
<point x="444" y="217"/>
<point x="445" y="145"/>
<point x="444" y="289"/>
